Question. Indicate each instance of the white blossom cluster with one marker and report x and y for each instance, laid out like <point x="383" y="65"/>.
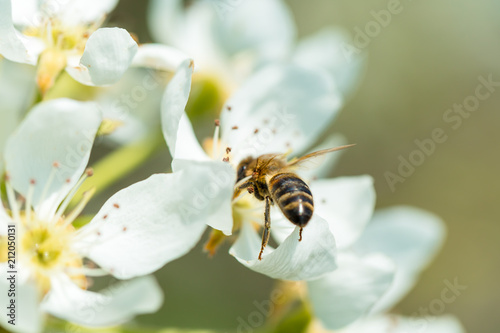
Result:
<point x="281" y="95"/>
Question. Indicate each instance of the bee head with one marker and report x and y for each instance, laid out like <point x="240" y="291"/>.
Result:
<point x="244" y="169"/>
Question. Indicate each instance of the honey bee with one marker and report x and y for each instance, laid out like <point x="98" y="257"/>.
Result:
<point x="271" y="178"/>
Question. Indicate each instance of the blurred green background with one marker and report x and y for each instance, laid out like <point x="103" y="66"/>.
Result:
<point x="428" y="58"/>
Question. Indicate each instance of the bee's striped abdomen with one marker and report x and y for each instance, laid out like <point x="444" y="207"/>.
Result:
<point x="293" y="197"/>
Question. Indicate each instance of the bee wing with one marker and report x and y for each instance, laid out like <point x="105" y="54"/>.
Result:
<point x="271" y="162"/>
<point x="312" y="160"/>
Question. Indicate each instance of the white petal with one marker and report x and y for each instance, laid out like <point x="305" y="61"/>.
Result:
<point x="108" y="54"/>
<point x="177" y="129"/>
<point x="281" y="226"/>
<point x="292" y="260"/>
<point x="442" y="324"/>
<point x="134" y="101"/>
<point x="26" y="13"/>
<point x="328" y="50"/>
<point x="349" y="292"/>
<point x="79" y="12"/>
<point x="217" y="185"/>
<point x="158" y="220"/>
<point x="165" y="19"/>
<point x="278" y="109"/>
<point x="5" y="220"/>
<point x="158" y="56"/>
<point x="112" y="306"/>
<point x="262" y="28"/>
<point x="16" y="84"/>
<point x="28" y="317"/>
<point x="188" y="29"/>
<point x="399" y="324"/>
<point x="327" y="164"/>
<point x="346" y="203"/>
<point x="14" y="45"/>
<point x="409" y="236"/>
<point x="57" y="131"/>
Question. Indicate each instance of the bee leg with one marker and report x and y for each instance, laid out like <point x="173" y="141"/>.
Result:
<point x="300" y="234"/>
<point x="267" y="227"/>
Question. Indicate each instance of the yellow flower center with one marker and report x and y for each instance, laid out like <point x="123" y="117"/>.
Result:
<point x="44" y="246"/>
<point x="60" y="37"/>
<point x="61" y="41"/>
<point x="46" y="249"/>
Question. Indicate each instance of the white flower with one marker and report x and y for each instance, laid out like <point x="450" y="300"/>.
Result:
<point x="228" y="47"/>
<point x="230" y="40"/>
<point x="400" y="324"/>
<point x="373" y="261"/>
<point x="60" y="35"/>
<point x="403" y="240"/>
<point x="136" y="231"/>
<point x="267" y="115"/>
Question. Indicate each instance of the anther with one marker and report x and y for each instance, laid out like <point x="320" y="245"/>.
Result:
<point x="116" y="205"/>
<point x="215" y="142"/>
<point x="29" y="198"/>
<point x="256" y="131"/>
<point x="48" y="184"/>
<point x="234" y="127"/>
<point x="229" y="108"/>
<point x="89" y="172"/>
<point x="225" y="159"/>
<point x="228" y="150"/>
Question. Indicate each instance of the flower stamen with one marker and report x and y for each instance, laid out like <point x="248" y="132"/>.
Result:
<point x="55" y="168"/>
<point x="215" y="142"/>
<point x="11" y="197"/>
<point x="87" y="195"/>
<point x="29" y="199"/>
<point x="88" y="173"/>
